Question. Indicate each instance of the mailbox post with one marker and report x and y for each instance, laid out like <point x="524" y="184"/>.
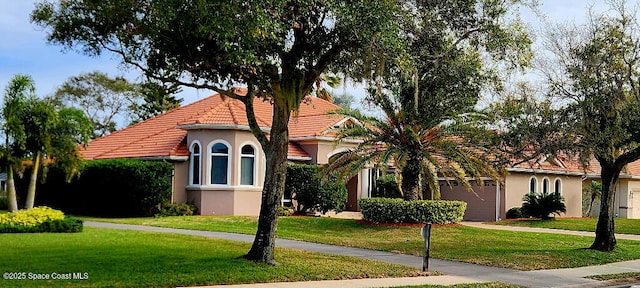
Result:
<point x="426" y="234"/>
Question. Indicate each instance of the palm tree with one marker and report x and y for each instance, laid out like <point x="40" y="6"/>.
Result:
<point x="419" y="146"/>
<point x="53" y="135"/>
<point x="19" y="89"/>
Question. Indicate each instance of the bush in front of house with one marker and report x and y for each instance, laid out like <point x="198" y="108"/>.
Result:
<point x="311" y="193"/>
<point x="174" y="209"/>
<point x="514" y="213"/>
<point x="110" y="188"/>
<point x="283" y="211"/>
<point x="387" y="187"/>
<point x="39" y="219"/>
<point x="542" y="205"/>
<point x="386" y="210"/>
<point x="3" y="203"/>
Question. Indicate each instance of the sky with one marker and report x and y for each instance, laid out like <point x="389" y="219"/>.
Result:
<point x="24" y="50"/>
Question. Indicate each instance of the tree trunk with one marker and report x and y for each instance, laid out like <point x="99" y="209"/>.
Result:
<point x="605" y="238"/>
<point x="263" y="246"/>
<point x="411" y="180"/>
<point x="31" y="191"/>
<point x="12" y="199"/>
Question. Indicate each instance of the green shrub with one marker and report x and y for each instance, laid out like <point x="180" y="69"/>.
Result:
<point x="514" y="213"/>
<point x="66" y="225"/>
<point x="542" y="206"/>
<point x="385" y="210"/>
<point x="173" y="209"/>
<point x="387" y="187"/>
<point x="283" y="211"/>
<point x="310" y="193"/>
<point x="31" y="217"/>
<point x="36" y="220"/>
<point x="3" y="203"/>
<point x="110" y="188"/>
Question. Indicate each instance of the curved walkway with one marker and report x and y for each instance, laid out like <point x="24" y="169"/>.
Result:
<point x="456" y="272"/>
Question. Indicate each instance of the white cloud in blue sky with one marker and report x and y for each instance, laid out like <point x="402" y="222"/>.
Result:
<point x="23" y="48"/>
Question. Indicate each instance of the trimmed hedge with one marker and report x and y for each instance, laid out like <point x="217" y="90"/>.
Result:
<point x="109" y="188"/>
<point x="385" y="210"/>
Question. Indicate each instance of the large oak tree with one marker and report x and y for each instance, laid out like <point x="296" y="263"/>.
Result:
<point x="592" y="110"/>
<point x="277" y="49"/>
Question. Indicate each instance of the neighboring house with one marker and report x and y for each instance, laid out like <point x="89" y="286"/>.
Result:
<point x="627" y="198"/>
<point x="491" y="201"/>
<point x="218" y="163"/>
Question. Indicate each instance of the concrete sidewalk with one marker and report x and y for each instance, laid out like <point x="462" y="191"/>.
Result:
<point x="455" y="272"/>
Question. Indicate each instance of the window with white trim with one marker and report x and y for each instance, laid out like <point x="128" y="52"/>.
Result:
<point x="196" y="164"/>
<point x="557" y="185"/>
<point x="533" y="185"/>
<point x="219" y="164"/>
<point x="545" y="186"/>
<point x="247" y="165"/>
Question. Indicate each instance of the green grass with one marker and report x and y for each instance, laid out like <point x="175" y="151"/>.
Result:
<point x="120" y="258"/>
<point x="516" y="250"/>
<point x="622" y="225"/>
<point x="618" y="276"/>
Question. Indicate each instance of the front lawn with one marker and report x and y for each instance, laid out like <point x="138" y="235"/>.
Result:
<point x="622" y="225"/>
<point x="516" y="250"/>
<point x="120" y="258"/>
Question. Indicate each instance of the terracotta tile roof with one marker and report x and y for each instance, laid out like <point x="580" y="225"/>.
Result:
<point x="161" y="137"/>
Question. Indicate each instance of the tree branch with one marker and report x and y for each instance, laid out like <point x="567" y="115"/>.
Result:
<point x="251" y="117"/>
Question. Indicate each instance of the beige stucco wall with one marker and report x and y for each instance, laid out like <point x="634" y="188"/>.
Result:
<point x="180" y="182"/>
<point x="517" y="185"/>
<point x="321" y="150"/>
<point x="627" y="199"/>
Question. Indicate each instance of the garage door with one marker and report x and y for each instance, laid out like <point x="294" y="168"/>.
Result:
<point x="480" y="207"/>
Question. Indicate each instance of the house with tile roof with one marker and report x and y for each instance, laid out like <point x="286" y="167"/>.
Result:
<point x="218" y="164"/>
<point x="491" y="201"/>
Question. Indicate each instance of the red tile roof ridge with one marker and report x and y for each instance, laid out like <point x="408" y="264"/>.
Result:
<point x="174" y="150"/>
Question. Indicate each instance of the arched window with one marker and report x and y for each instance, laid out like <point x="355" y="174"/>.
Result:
<point x="533" y="185"/>
<point x="557" y="185"/>
<point x="247" y="165"/>
<point x="545" y="186"/>
<point x="196" y="164"/>
<point x="220" y="164"/>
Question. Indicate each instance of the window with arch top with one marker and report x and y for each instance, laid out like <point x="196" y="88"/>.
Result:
<point x="533" y="185"/>
<point x="196" y="164"/>
<point x="557" y="185"/>
<point x="247" y="165"/>
<point x="219" y="164"/>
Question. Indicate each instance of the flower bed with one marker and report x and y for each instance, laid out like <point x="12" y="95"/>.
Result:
<point x="39" y="219"/>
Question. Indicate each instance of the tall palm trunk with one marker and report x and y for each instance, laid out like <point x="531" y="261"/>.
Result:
<point x="411" y="180"/>
<point x="12" y="199"/>
<point x="263" y="246"/>
<point x="31" y="191"/>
